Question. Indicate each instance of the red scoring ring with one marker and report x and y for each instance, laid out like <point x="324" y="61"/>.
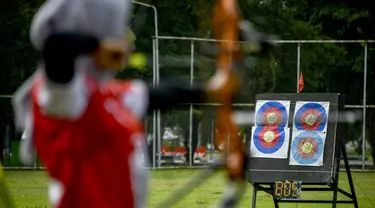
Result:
<point x="302" y="142"/>
<point x="273" y="142"/>
<point x="308" y="112"/>
<point x="272" y="110"/>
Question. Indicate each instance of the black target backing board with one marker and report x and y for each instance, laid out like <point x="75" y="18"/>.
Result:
<point x="268" y="170"/>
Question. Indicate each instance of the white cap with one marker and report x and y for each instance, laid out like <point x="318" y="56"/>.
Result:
<point x="100" y="18"/>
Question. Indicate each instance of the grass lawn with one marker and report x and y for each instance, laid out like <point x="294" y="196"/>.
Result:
<point x="29" y="189"/>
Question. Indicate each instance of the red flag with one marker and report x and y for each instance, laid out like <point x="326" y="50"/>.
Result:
<point x="301" y="84"/>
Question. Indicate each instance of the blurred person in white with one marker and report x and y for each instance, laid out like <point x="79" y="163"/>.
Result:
<point x="87" y="127"/>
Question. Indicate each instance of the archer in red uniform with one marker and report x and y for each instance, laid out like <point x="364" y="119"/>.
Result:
<point x="85" y="126"/>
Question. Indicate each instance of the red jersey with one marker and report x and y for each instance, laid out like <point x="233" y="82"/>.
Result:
<point x="92" y="156"/>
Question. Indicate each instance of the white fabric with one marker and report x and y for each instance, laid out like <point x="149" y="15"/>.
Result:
<point x="70" y="100"/>
<point x="136" y="99"/>
<point x="64" y="101"/>
<point x="101" y="18"/>
<point x="55" y="192"/>
<point x="23" y="120"/>
<point x="139" y="173"/>
<point x="27" y="150"/>
<point x="21" y="102"/>
<point x="24" y="135"/>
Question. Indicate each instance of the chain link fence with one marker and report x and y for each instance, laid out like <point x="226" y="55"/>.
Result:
<point x="192" y="60"/>
<point x="184" y="137"/>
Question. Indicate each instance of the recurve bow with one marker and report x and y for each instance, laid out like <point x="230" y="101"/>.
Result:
<point x="226" y="28"/>
<point x="225" y="25"/>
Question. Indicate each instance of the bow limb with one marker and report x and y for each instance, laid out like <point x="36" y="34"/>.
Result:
<point x="225" y="26"/>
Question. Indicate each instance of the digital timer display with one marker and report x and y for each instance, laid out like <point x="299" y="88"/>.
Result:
<point x="287" y="189"/>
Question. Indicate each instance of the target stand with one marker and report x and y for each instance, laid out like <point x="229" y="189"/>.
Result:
<point x="288" y="183"/>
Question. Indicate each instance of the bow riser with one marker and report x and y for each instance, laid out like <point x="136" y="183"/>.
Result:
<point x="225" y="25"/>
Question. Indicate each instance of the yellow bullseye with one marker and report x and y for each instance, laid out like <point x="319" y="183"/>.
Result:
<point x="271" y="118"/>
<point x="269" y="136"/>
<point x="307" y="147"/>
<point x="310" y="119"/>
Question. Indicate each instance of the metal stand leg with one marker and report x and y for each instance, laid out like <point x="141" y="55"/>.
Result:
<point x="350" y="179"/>
<point x="275" y="202"/>
<point x="254" y="201"/>
<point x="335" y="184"/>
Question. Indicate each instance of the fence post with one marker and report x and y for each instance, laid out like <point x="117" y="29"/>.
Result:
<point x="158" y="111"/>
<point x="298" y="63"/>
<point x="364" y="107"/>
<point x="154" y="113"/>
<point x="191" y="105"/>
<point x="159" y="137"/>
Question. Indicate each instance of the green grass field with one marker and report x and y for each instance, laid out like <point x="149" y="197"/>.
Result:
<point x="29" y="189"/>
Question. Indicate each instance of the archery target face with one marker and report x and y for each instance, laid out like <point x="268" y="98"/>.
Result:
<point x="307" y="148"/>
<point x="311" y="116"/>
<point x="272" y="113"/>
<point x="269" y="142"/>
